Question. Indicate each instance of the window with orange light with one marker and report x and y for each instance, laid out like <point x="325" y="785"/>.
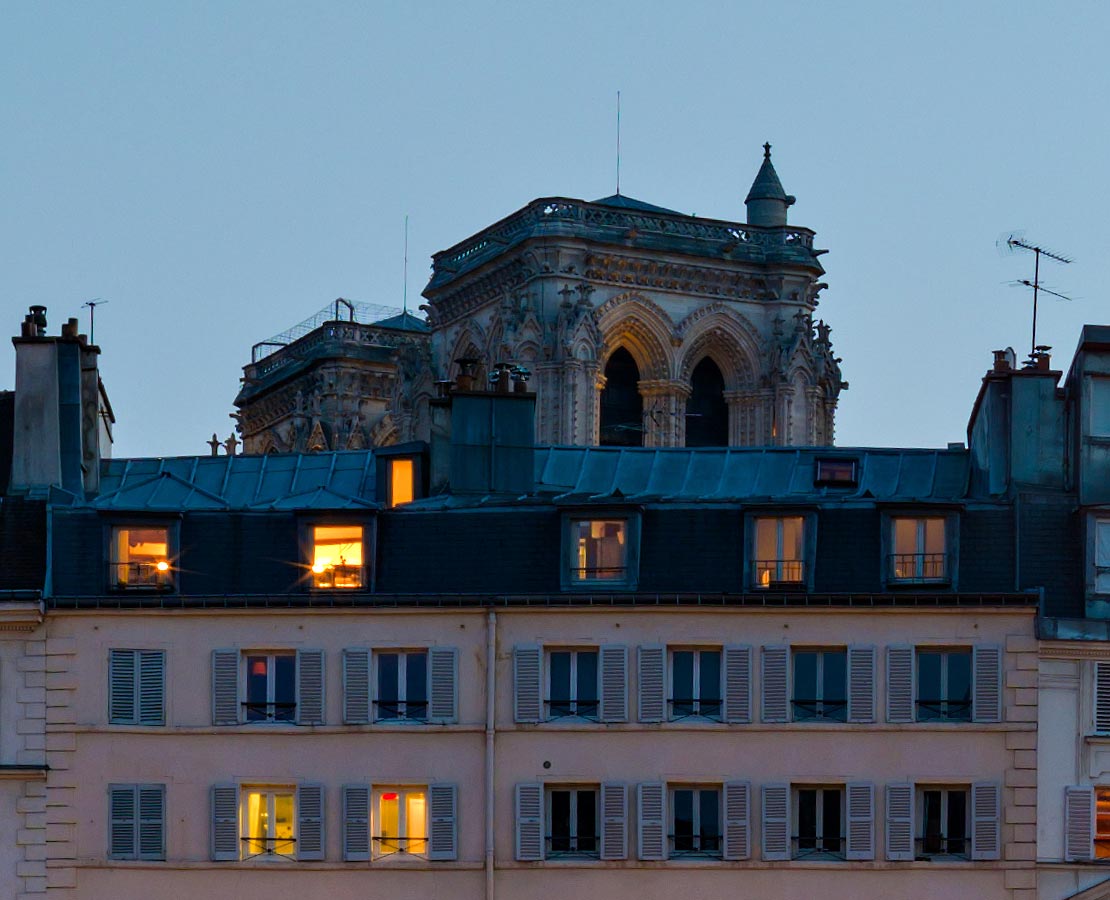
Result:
<point x="337" y="556"/>
<point x="779" y="551"/>
<point x="139" y="557"/>
<point x="267" y="821"/>
<point x="1102" y="823"/>
<point x="400" y="825"/>
<point x="599" y="550"/>
<point x="402" y="481"/>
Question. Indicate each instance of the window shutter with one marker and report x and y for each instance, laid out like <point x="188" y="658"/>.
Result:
<point x="738" y="844"/>
<point x="614" y="683"/>
<point x="861" y="820"/>
<point x="899" y="683"/>
<point x="527" y="696"/>
<point x="443" y="666"/>
<point x="122" y="814"/>
<point x="356" y="822"/>
<point x="614" y="821"/>
<point x="310" y="821"/>
<point x="652" y="833"/>
<point x="529" y="822"/>
<point x="738" y="685"/>
<point x="225" y="821"/>
<point x="985" y="815"/>
<point x="443" y="800"/>
<point x="1079" y="824"/>
<point x="310" y="687"/>
<point x="774" y="680"/>
<point x="121" y="687"/>
<point x="861" y="684"/>
<point x="1102" y="697"/>
<point x="225" y="687"/>
<point x="652" y="696"/>
<point x="776" y="821"/>
<point x="152" y="687"/>
<point x="899" y="822"/>
<point x="356" y="686"/>
<point x="986" y="697"/>
<point x="152" y="821"/>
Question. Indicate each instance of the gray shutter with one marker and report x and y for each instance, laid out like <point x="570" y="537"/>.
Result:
<point x="529" y="822"/>
<point x="310" y="687"/>
<point x="899" y="683"/>
<point x="225" y="821"/>
<point x="443" y="667"/>
<point x="614" y="821"/>
<point x="614" y="683"/>
<point x="122" y="814"/>
<point x="652" y="695"/>
<point x="225" y="687"/>
<point x="1102" y="696"/>
<point x="356" y="686"/>
<point x="860" y="797"/>
<point x="986" y="697"/>
<point x="152" y="821"/>
<point x="738" y="828"/>
<point x="121" y="687"/>
<point x="527" y="695"/>
<point x="774" y="683"/>
<point x="443" y="803"/>
<point x="986" y="813"/>
<point x="776" y="821"/>
<point x="652" y="832"/>
<point x="152" y="687"/>
<point x="738" y="685"/>
<point x="899" y="822"/>
<point x="1079" y="824"/>
<point x="356" y="822"/>
<point x="310" y="821"/>
<point x="861" y="684"/>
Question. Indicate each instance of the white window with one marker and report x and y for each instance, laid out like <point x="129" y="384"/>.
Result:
<point x="1102" y="556"/>
<point x="572" y="683"/>
<point x="820" y="685"/>
<point x="268" y="822"/>
<point x="599" y="550"/>
<point x="944" y="684"/>
<point x="337" y="556"/>
<point x="779" y="551"/>
<point x="139" y="558"/>
<point x="695" y="821"/>
<point x="696" y="683"/>
<point x="401" y="821"/>
<point x="270" y="685"/>
<point x="402" y="685"/>
<point x="572" y="821"/>
<point x="819" y="812"/>
<point x="919" y="549"/>
<point x="944" y="822"/>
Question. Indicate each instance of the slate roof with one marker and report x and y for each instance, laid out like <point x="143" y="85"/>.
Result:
<point x="620" y="201"/>
<point x="403" y="321"/>
<point x="767" y="185"/>
<point x="22" y="544"/>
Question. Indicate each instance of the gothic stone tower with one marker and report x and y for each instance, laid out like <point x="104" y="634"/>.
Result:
<point x="642" y="325"/>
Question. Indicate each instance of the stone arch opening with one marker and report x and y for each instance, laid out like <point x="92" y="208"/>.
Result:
<point x="706" y="409"/>
<point x="622" y="407"/>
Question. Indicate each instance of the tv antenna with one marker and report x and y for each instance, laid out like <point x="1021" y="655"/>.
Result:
<point x="1017" y="241"/>
<point x="92" y="305"/>
<point x="405" y="290"/>
<point x="618" y="143"/>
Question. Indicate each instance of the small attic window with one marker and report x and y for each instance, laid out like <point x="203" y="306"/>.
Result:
<point x="402" y="480"/>
<point x="836" y="473"/>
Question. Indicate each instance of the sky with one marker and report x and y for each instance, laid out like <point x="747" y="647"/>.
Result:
<point x="219" y="171"/>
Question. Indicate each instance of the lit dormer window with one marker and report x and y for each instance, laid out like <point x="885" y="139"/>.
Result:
<point x="402" y="481"/>
<point x="139" y="558"/>
<point x="337" y="556"/>
<point x="835" y="473"/>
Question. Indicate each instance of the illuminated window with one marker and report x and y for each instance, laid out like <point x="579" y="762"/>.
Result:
<point x="271" y="687"/>
<point x="944" y="820"/>
<point x="572" y="821"/>
<point x="402" y="685"/>
<point x="920" y="550"/>
<point x="943" y="685"/>
<point x="820" y="685"/>
<point x="140" y="558"/>
<point x="267" y="822"/>
<point x="1102" y="822"/>
<point x="599" y="550"/>
<point x="572" y="684"/>
<point x="696" y="683"/>
<point x="695" y="821"/>
<point x="402" y="481"/>
<point x="819" y="812"/>
<point x="337" y="556"/>
<point x="835" y="473"/>
<point x="400" y="821"/>
<point x="779" y="551"/>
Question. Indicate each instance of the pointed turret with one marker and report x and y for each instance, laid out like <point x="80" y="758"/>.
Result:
<point x="767" y="201"/>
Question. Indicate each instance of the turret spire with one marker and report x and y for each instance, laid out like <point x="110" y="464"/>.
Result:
<point x="767" y="202"/>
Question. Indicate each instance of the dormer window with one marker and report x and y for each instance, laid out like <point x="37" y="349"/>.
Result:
<point x="140" y="558"/>
<point x="780" y="544"/>
<point x="337" y="556"/>
<point x="402" y="481"/>
<point x="601" y="552"/>
<point x="835" y="473"/>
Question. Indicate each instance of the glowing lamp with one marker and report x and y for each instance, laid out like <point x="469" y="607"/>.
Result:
<point x="392" y="795"/>
<point x="162" y="566"/>
<point x="318" y="567"/>
<point x="258" y="667"/>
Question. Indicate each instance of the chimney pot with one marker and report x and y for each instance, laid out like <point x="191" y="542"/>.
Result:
<point x="69" y="329"/>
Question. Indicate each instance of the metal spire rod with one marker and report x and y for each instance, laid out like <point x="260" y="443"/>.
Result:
<point x="1020" y="243"/>
<point x="618" y="143"/>
<point x="405" y="290"/>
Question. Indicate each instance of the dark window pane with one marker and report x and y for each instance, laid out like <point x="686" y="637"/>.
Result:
<point x="710" y="821"/>
<point x="416" y="685"/>
<point x="285" y="688"/>
<point x="587" y="679"/>
<point x="560" y="821"/>
<point x="587" y="821"/>
<point x="830" y="820"/>
<point x="807" y="819"/>
<point x="805" y="684"/>
<point x="957" y="822"/>
<point x="257" y="668"/>
<point x="928" y="686"/>
<point x="835" y="682"/>
<point x="710" y="679"/>
<point x="959" y="677"/>
<point x="931" y="838"/>
<point x="387" y="685"/>
<point x="560" y="683"/>
<point x="682" y="665"/>
<point x="684" y="820"/>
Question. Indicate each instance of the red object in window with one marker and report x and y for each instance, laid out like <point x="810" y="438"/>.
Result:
<point x="258" y="667"/>
<point x="392" y="795"/>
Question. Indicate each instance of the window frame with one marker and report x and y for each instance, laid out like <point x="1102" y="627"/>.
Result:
<point x="951" y="519"/>
<point x="1097" y="519"/>
<point x="920" y="836"/>
<point x="946" y="651"/>
<point x="271" y="792"/>
<point x="271" y="702"/>
<point x="376" y="839"/>
<point x="819" y="837"/>
<point x="1103" y="382"/>
<point x="573" y="700"/>
<point x="696" y="700"/>
<point x="402" y="685"/>
<point x="818" y="701"/>
<point x="574" y="852"/>
<point x="137" y="654"/>
<point x="1100" y="843"/>
<point x="751" y="551"/>
<point x="169" y="582"/>
<point x="307" y="539"/>
<point x="698" y="836"/>
<point x="823" y="479"/>
<point x="567" y="555"/>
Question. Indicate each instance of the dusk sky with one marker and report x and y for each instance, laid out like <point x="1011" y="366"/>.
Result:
<point x="220" y="171"/>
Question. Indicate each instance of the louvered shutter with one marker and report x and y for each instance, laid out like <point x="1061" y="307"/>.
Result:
<point x="310" y="687"/>
<point x="527" y="696"/>
<point x="225" y="687"/>
<point x="986" y="698"/>
<point x="310" y="821"/>
<point x="122" y="812"/>
<point x="861" y="684"/>
<point x="443" y="802"/>
<point x="738" y="685"/>
<point x="614" y="821"/>
<point x="529" y="822"/>
<point x="225" y="821"/>
<point x="356" y="822"/>
<point x="776" y="821"/>
<point x="1102" y="697"/>
<point x="1079" y="824"/>
<point x="121" y="687"/>
<point x="152" y="687"/>
<point x="614" y="683"/>
<point x="774" y="682"/>
<point x="861" y="820"/>
<point x="443" y="665"/>
<point x="986" y="813"/>
<point x="738" y="802"/>
<point x="899" y="822"/>
<point x="652" y="832"/>
<point x="152" y="821"/>
<point x="356" y="686"/>
<point x="899" y="683"/>
<point x="652" y="680"/>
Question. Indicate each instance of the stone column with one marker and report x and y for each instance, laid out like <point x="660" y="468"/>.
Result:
<point x="664" y="413"/>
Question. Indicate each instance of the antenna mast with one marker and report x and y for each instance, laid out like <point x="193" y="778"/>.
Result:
<point x="1016" y="242"/>
<point x="618" y="143"/>
<point x="92" y="305"/>
<point x="405" y="291"/>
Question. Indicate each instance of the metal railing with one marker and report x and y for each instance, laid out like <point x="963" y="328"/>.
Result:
<point x="917" y="568"/>
<point x="599" y="573"/>
<point x="563" y="708"/>
<point x="386" y="845"/>
<point x="581" y="845"/>
<point x="269" y="712"/>
<point x="814" y="847"/>
<point x="141" y="575"/>
<point x="401" y="710"/>
<point x="939" y="845"/>
<point x="267" y="846"/>
<point x="930" y="710"/>
<point x="703" y="844"/>
<point x="771" y="573"/>
<point x="806" y="710"/>
<point x="681" y="707"/>
<point x="341" y="576"/>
